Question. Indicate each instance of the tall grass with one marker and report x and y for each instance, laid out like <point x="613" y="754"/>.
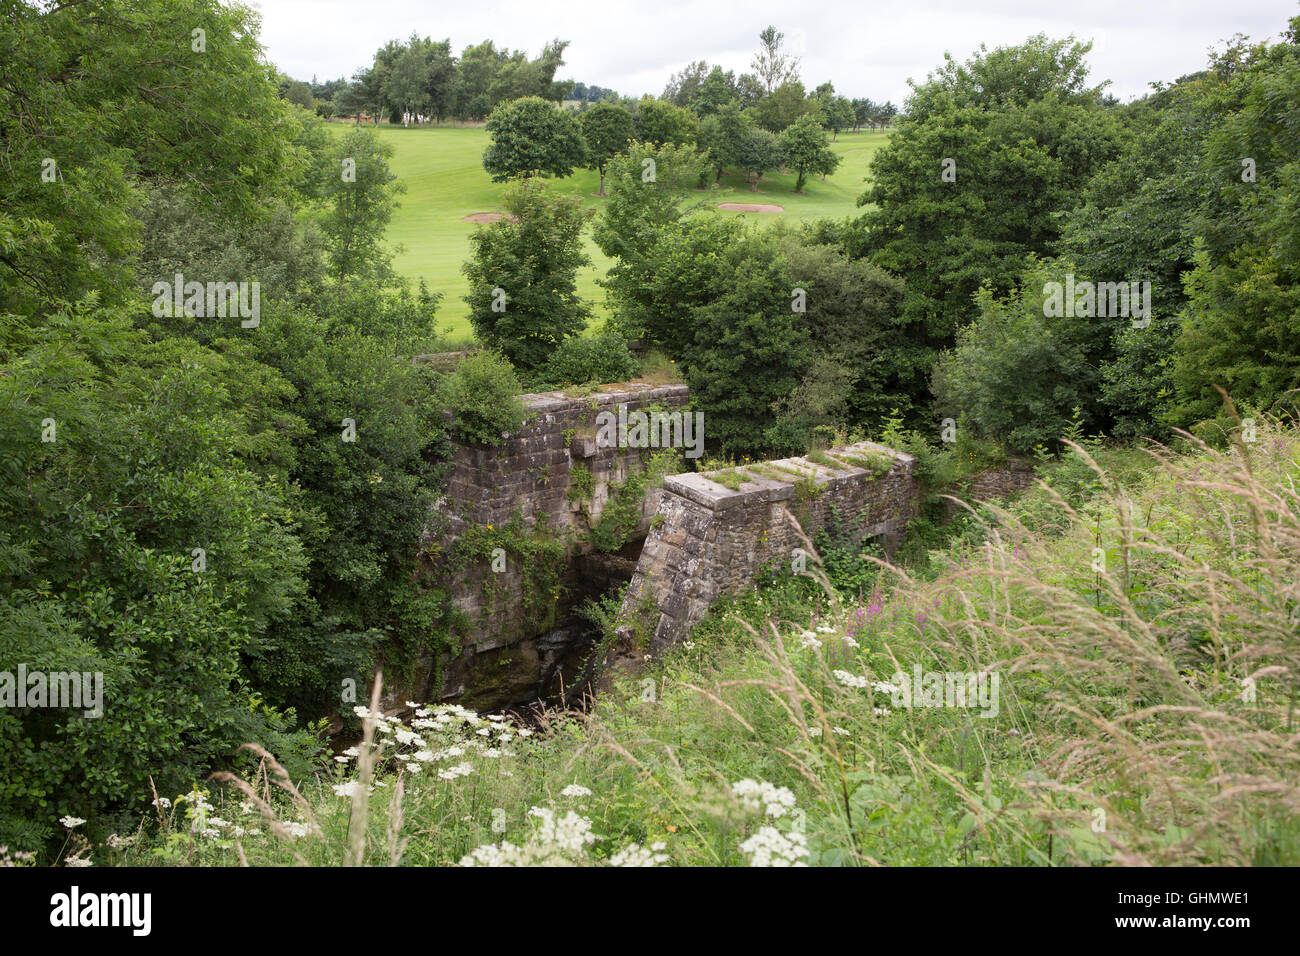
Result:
<point x="1146" y="638"/>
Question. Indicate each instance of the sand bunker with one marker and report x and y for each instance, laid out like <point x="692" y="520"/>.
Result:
<point x="749" y="207"/>
<point x="486" y="217"/>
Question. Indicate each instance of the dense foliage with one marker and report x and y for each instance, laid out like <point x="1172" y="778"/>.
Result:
<point x="220" y="512"/>
<point x="523" y="290"/>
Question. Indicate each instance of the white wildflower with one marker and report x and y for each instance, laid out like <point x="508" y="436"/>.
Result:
<point x="636" y="855"/>
<point x="774" y="801"/>
<point x="770" y="847"/>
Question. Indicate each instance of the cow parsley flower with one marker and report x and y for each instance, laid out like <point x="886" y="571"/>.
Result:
<point x="555" y="841"/>
<point x="570" y="832"/>
<point x="636" y="855"/>
<point x="774" y="801"/>
<point x="770" y="847"/>
<point x="850" y="680"/>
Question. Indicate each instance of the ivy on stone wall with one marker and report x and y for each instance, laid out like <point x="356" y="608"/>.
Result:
<point x="534" y="549"/>
<point x="622" y="512"/>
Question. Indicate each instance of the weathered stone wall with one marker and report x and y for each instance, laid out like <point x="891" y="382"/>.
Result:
<point x="990" y="484"/>
<point x="517" y="644"/>
<point x="709" y="540"/>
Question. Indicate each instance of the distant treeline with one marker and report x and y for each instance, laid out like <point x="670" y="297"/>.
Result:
<point x="424" y="77"/>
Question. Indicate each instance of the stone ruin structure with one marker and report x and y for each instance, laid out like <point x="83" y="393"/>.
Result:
<point x="522" y="541"/>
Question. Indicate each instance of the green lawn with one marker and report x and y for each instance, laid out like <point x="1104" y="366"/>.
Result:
<point x="445" y="181"/>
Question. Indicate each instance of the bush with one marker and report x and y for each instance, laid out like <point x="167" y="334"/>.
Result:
<point x="578" y="361"/>
<point x="523" y="295"/>
<point x="483" y="396"/>
<point x="1016" y="375"/>
<point x="137" y="543"/>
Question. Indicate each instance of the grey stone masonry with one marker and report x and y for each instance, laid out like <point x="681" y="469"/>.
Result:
<point x="530" y="471"/>
<point x="709" y="540"/>
<point x="554" y="476"/>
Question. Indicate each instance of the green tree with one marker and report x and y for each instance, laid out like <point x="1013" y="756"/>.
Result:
<point x="647" y="190"/>
<point x="299" y="93"/>
<point x="724" y="135"/>
<point x="684" y="87"/>
<point x="758" y="152"/>
<point x="1241" y="325"/>
<point x="783" y="106"/>
<point x="717" y="90"/>
<point x="839" y="115"/>
<point x="608" y="129"/>
<point x="138" y="543"/>
<point x="662" y="123"/>
<point x="1016" y="375"/>
<point x="530" y="136"/>
<point x="1136" y="220"/>
<point x="360" y="193"/>
<point x="807" y="150"/>
<point x="862" y="362"/>
<point x="160" y="111"/>
<point x="772" y="64"/>
<point x="976" y="175"/>
<point x="406" y="88"/>
<point x="523" y="292"/>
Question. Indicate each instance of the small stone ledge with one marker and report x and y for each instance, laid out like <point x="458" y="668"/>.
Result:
<point x="543" y="403"/>
<point x="710" y="493"/>
<point x="710" y="539"/>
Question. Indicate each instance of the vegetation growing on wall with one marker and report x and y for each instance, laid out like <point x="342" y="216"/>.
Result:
<point x="535" y="551"/>
<point x="622" y="512"/>
<point x="482" y="393"/>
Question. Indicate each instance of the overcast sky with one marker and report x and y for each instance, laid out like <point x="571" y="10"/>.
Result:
<point x="865" y="48"/>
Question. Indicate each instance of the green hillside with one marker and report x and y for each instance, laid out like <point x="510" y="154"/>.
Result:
<point x="445" y="181"/>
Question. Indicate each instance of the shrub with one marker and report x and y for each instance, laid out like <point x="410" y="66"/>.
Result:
<point x="483" y="396"/>
<point x="523" y="295"/>
<point x="579" y="361"/>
